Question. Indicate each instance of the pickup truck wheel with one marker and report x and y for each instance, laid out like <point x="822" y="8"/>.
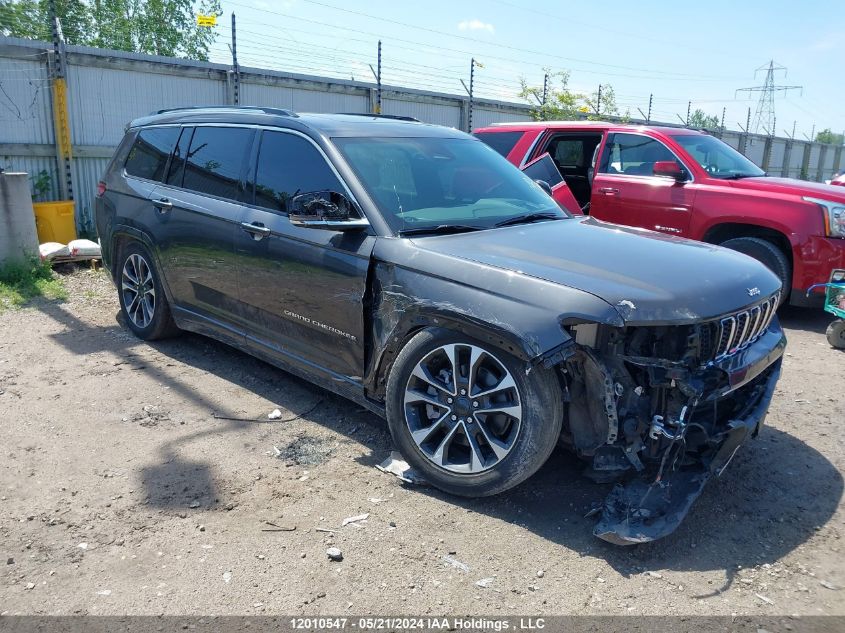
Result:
<point x="142" y="300"/>
<point x="467" y="417"/>
<point x="767" y="254"/>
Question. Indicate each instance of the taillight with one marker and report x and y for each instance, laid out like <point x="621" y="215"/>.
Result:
<point x="101" y="189"/>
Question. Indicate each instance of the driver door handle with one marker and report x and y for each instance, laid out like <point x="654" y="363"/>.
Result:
<point x="610" y="191"/>
<point x="256" y="229"/>
<point x="163" y="205"/>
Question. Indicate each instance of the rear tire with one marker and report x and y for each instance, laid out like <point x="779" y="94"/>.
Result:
<point x="836" y="334"/>
<point x="481" y="434"/>
<point x="767" y="254"/>
<point x="142" y="300"/>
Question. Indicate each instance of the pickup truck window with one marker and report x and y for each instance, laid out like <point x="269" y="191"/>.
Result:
<point x="718" y="159"/>
<point x="502" y="142"/>
<point x="420" y="183"/>
<point x="633" y="154"/>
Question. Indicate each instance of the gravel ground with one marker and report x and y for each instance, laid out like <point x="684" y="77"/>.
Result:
<point x="126" y="487"/>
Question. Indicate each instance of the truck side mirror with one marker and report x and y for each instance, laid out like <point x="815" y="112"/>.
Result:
<point x="670" y="169"/>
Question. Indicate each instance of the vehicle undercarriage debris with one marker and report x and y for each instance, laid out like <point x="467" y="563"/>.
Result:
<point x="662" y="409"/>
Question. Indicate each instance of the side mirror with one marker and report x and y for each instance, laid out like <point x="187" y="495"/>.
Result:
<point x="544" y="186"/>
<point x="669" y="168"/>
<point x="327" y="210"/>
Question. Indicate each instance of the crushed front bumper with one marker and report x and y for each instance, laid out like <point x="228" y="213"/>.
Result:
<point x="648" y="509"/>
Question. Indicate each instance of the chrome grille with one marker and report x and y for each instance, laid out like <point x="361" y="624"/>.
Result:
<point x="738" y="331"/>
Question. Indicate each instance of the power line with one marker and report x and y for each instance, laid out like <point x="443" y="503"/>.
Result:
<point x="669" y="76"/>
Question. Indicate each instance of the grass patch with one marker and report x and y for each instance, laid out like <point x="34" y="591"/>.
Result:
<point x="23" y="281"/>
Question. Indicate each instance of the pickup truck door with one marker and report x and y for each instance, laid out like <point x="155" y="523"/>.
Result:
<point x="626" y="191"/>
<point x="543" y="168"/>
<point x="301" y="290"/>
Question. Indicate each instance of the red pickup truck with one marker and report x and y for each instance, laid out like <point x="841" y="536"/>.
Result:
<point x="686" y="183"/>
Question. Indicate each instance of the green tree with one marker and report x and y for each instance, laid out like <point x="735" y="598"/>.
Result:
<point x="562" y="104"/>
<point x="700" y="119"/>
<point x="31" y="19"/>
<point x="156" y="27"/>
<point x="602" y="104"/>
<point x="827" y="136"/>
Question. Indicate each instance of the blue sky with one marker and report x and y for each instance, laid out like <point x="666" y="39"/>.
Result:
<point x="676" y="51"/>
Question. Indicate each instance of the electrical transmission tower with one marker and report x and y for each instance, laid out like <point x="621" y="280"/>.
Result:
<point x="765" y="115"/>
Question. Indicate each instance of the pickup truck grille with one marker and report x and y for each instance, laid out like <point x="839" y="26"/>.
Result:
<point x="737" y="331"/>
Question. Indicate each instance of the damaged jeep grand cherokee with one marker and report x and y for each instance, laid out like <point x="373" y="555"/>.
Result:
<point x="413" y="270"/>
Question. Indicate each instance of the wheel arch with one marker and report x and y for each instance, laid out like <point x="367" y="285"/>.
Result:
<point x="123" y="235"/>
<point x="723" y="231"/>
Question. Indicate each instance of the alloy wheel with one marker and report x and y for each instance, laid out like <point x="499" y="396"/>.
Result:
<point x="138" y="289"/>
<point x="462" y="408"/>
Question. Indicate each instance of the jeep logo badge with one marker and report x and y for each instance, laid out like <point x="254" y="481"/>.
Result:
<point x="753" y="292"/>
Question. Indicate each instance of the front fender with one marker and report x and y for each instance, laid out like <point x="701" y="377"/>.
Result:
<point x="526" y="322"/>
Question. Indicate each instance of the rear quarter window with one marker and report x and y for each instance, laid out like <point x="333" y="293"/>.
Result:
<point x="150" y="151"/>
<point x="502" y="142"/>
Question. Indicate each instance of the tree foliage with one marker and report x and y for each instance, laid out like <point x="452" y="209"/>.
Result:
<point x="562" y="104"/>
<point x="155" y="27"/>
<point x="700" y="119"/>
<point x="828" y="136"/>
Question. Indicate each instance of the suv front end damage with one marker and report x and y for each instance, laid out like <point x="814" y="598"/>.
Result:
<point x="664" y="408"/>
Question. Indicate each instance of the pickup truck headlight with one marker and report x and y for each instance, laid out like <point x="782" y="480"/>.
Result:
<point x="834" y="216"/>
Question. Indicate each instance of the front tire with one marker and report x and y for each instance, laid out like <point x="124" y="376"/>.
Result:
<point x="142" y="299"/>
<point x="767" y="254"/>
<point x="468" y="417"/>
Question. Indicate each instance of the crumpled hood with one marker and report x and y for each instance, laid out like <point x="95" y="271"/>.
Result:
<point x="790" y="186"/>
<point x="647" y="276"/>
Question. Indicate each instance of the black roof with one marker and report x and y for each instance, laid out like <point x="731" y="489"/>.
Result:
<point x="329" y="125"/>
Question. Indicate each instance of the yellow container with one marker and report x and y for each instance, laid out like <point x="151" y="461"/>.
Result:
<point x="55" y="221"/>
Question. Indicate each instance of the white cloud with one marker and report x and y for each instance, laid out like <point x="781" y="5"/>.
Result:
<point x="476" y="25"/>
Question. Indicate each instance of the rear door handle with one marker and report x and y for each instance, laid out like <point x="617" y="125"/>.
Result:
<point x="163" y="205"/>
<point x="257" y="230"/>
<point x="610" y="191"/>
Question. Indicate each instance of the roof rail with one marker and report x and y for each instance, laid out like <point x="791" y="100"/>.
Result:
<point x="265" y="110"/>
<point x="395" y="117"/>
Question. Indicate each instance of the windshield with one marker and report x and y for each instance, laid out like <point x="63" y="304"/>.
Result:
<point x="717" y="158"/>
<point x="420" y="183"/>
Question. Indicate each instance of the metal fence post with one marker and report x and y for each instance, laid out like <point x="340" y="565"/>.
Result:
<point x="787" y="154"/>
<point x="805" y="162"/>
<point x="822" y="156"/>
<point x="767" y="153"/>
<point x="61" y="115"/>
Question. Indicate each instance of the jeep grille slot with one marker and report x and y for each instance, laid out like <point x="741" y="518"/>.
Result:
<point x="738" y="331"/>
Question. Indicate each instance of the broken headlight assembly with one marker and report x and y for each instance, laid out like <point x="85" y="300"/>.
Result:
<point x="659" y="410"/>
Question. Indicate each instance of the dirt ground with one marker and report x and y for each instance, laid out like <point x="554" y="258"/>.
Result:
<point x="122" y="491"/>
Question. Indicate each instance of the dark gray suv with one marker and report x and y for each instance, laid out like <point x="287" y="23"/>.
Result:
<point x="413" y="270"/>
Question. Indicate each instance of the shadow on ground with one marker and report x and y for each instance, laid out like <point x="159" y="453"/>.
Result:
<point x="772" y="498"/>
<point x="807" y="319"/>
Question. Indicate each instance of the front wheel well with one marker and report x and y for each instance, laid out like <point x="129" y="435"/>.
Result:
<point x="723" y="232"/>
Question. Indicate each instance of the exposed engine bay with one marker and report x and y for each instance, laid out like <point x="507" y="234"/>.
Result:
<point x="661" y="409"/>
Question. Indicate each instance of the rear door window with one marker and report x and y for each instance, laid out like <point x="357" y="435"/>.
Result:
<point x="289" y="165"/>
<point x="215" y="160"/>
<point x="502" y="142"/>
<point x="150" y="151"/>
<point x="177" y="164"/>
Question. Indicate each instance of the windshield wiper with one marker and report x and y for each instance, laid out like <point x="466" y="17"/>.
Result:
<point x="531" y="217"/>
<point x="740" y="176"/>
<point x="440" y="229"/>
